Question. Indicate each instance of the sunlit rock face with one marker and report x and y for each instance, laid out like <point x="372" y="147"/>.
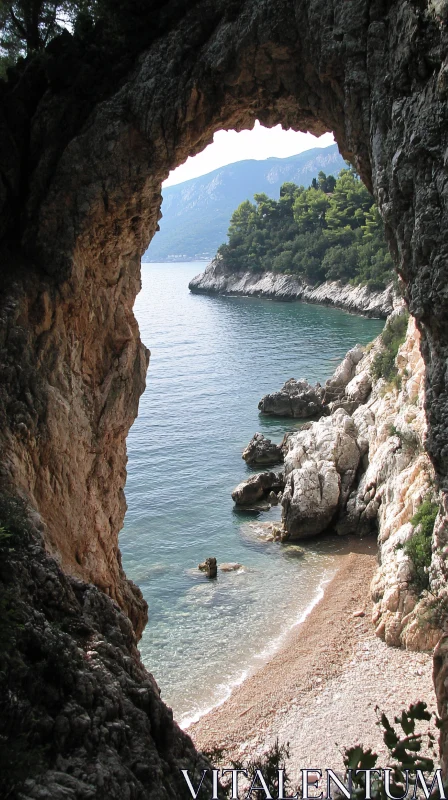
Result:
<point x="83" y="157"/>
<point x="217" y="278"/>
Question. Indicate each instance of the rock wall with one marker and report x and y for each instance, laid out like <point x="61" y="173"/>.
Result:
<point x="80" y="199"/>
<point x="217" y="279"/>
<point x="367" y="472"/>
<point x="72" y="370"/>
<point x="87" y="137"/>
<point x="81" y="717"/>
<point x="398" y="478"/>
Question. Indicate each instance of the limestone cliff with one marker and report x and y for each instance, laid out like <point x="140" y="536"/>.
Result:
<point x="367" y="472"/>
<point x="398" y="479"/>
<point x="217" y="279"/>
<point x="72" y="371"/>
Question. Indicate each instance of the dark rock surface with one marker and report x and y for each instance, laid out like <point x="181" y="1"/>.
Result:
<point x="257" y="488"/>
<point x="296" y="399"/>
<point x="209" y="566"/>
<point x="87" y="136"/>
<point x="81" y="718"/>
<point x="262" y="451"/>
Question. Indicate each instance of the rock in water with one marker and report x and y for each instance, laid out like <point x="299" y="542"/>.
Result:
<point x="209" y="566"/>
<point x="262" y="451"/>
<point x="257" y="488"/>
<point x="231" y="566"/>
<point x="296" y="399"/>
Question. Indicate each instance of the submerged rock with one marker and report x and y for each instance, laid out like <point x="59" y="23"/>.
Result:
<point x="257" y="488"/>
<point x="262" y="451"/>
<point x="293" y="551"/>
<point x="296" y="399"/>
<point x="209" y="566"/>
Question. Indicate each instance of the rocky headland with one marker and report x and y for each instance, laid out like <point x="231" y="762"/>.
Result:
<point x="219" y="279"/>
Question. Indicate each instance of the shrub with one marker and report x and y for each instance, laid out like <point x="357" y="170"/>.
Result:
<point x="394" y="334"/>
<point x="403" y="742"/>
<point x="419" y="547"/>
<point x="408" y="438"/>
<point x="272" y="760"/>
<point x="404" y="752"/>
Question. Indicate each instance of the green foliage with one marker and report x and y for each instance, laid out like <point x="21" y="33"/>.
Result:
<point x="408" y="438"/>
<point x="404" y="744"/>
<point x="405" y="753"/>
<point x="27" y="26"/>
<point x="330" y="231"/>
<point x="419" y="547"/>
<point x="90" y="28"/>
<point x="273" y="760"/>
<point x="393" y="336"/>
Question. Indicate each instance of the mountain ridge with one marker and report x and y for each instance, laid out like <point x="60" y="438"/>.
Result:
<point x="196" y="213"/>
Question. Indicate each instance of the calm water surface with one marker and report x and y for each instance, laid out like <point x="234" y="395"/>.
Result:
<point x="212" y="359"/>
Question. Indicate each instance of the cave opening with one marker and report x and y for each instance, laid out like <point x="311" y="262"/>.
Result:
<point x="375" y="73"/>
<point x="211" y="361"/>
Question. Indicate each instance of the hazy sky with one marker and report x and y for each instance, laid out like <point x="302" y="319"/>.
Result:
<point x="259" y="143"/>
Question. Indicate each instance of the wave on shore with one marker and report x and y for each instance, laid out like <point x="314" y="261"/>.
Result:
<point x="225" y="690"/>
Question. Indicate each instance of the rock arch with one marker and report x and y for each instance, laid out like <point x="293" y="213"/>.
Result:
<point x="80" y="199"/>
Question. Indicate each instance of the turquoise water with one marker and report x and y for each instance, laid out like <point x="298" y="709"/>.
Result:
<point x="212" y="359"/>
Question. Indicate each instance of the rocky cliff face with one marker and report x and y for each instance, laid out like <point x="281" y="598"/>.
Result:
<point x="217" y="279"/>
<point x="398" y="479"/>
<point x="72" y="370"/>
<point x="87" y="139"/>
<point x="368" y="472"/>
<point x="80" y="718"/>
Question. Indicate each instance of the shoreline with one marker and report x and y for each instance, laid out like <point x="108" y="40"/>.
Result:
<point x="269" y="651"/>
<point x="329" y="675"/>
<point x="218" y="280"/>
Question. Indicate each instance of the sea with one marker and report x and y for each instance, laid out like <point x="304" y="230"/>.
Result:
<point x="212" y="359"/>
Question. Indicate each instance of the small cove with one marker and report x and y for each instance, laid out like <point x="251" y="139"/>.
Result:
<point x="212" y="359"/>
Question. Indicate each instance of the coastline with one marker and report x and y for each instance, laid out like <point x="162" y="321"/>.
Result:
<point x="269" y="651"/>
<point x="217" y="279"/>
<point x="328" y="676"/>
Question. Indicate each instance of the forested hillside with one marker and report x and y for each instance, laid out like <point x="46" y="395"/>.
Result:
<point x="196" y="213"/>
<point x="330" y="231"/>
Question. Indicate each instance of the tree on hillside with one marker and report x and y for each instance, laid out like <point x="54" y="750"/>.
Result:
<point x="310" y="208"/>
<point x="27" y="26"/>
<point x="326" y="182"/>
<point x="349" y="202"/>
<point x="330" y="231"/>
